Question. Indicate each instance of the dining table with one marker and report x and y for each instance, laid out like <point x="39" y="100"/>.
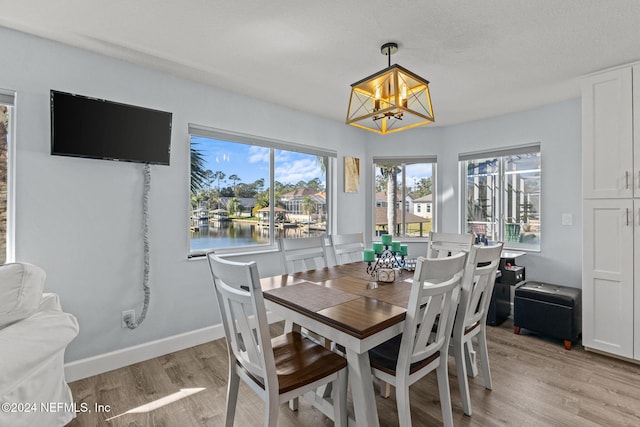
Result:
<point x="346" y="305"/>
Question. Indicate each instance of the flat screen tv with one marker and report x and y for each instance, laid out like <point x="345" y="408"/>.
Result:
<point x="95" y="128"/>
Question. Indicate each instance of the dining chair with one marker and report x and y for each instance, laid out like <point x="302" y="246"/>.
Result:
<point x="471" y="318"/>
<point x="277" y="369"/>
<point x="445" y="244"/>
<point x="347" y="247"/>
<point x="424" y="343"/>
<point x="306" y="253"/>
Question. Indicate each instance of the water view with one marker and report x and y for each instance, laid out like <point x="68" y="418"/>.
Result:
<point x="241" y="233"/>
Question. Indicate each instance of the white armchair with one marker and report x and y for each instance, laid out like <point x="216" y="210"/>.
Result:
<point x="34" y="333"/>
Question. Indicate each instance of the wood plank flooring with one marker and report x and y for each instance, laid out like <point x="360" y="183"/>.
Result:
<point x="536" y="382"/>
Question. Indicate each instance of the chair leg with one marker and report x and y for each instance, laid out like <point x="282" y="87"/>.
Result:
<point x="567" y="344"/>
<point x="403" y="403"/>
<point x="484" y="359"/>
<point x="289" y="326"/>
<point x="385" y="389"/>
<point x="232" y="397"/>
<point x="445" y="394"/>
<point x="461" y="371"/>
<point x="271" y="408"/>
<point x="339" y="398"/>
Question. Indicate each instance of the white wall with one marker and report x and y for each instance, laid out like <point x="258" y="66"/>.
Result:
<point x="557" y="128"/>
<point x="81" y="219"/>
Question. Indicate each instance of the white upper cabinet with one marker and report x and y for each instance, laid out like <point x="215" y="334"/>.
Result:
<point x="607" y="132"/>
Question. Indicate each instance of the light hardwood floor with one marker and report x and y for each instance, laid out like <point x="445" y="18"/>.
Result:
<point x="536" y="382"/>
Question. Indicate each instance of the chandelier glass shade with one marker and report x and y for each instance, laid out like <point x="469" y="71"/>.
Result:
<point x="390" y="100"/>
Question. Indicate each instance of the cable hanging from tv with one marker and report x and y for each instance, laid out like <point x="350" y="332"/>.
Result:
<point x="133" y="323"/>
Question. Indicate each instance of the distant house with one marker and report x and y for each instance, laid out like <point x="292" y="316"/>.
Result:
<point x="423" y="206"/>
<point x="381" y="201"/>
<point x="293" y="202"/>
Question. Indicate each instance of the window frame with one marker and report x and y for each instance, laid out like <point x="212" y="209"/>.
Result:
<point x="501" y="192"/>
<point x="9" y="98"/>
<point x="433" y="160"/>
<point x="273" y="145"/>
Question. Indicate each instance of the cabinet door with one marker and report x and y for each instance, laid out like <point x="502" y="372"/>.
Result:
<point x="607" y="276"/>
<point x="607" y="135"/>
<point x="636" y="131"/>
<point x="636" y="281"/>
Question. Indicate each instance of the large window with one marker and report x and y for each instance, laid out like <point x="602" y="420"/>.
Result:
<point x="404" y="194"/>
<point x="248" y="191"/>
<point x="6" y="109"/>
<point x="502" y="196"/>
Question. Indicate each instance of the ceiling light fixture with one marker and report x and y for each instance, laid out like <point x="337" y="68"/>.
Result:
<point x="390" y="100"/>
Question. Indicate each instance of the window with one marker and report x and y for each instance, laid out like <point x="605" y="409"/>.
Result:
<point x="502" y="195"/>
<point x="248" y="191"/>
<point x="401" y="187"/>
<point x="6" y="110"/>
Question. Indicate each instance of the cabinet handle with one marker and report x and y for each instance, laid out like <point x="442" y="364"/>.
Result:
<point x="627" y="215"/>
<point x="626" y="178"/>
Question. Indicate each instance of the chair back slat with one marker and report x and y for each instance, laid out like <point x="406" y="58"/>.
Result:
<point x="347" y="247"/>
<point x="432" y="303"/>
<point x="446" y="244"/>
<point x="239" y="295"/>
<point x="477" y="285"/>
<point x="303" y="254"/>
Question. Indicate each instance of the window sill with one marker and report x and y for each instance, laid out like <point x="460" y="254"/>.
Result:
<point x="231" y="252"/>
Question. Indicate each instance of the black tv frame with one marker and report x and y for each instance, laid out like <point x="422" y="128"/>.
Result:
<point x="82" y="126"/>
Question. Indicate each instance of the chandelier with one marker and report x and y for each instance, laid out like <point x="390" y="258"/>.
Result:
<point x="390" y="100"/>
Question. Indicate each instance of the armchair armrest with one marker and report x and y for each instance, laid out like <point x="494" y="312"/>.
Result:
<point x="27" y="345"/>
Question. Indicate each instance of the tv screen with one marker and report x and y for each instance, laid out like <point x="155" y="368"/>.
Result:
<point x="95" y="128"/>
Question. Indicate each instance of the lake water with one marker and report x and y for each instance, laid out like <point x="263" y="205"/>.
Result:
<point x="231" y="233"/>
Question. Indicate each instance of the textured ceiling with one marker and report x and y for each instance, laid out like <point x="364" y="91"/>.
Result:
<point x="482" y="57"/>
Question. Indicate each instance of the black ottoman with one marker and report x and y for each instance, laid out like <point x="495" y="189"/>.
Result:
<point x="551" y="310"/>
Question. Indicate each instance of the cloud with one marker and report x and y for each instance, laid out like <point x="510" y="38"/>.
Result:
<point x="295" y="170"/>
<point x="258" y="154"/>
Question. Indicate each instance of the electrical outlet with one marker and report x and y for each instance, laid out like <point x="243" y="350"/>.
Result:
<point x="130" y="314"/>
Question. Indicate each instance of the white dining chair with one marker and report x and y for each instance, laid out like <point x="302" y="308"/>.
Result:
<point x="307" y="253"/>
<point x="445" y="244"/>
<point x="347" y="247"/>
<point x="424" y="343"/>
<point x="277" y="369"/>
<point x="471" y="318"/>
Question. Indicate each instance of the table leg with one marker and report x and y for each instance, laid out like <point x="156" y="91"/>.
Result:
<point x="361" y="380"/>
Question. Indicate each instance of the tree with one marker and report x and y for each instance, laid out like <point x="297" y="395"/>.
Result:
<point x="422" y="188"/>
<point x="259" y="184"/>
<point x="234" y="179"/>
<point x="219" y="176"/>
<point x="245" y="190"/>
<point x="198" y="177"/>
<point x="390" y="174"/>
<point x="315" y="184"/>
<point x="308" y="207"/>
<point x="234" y="207"/>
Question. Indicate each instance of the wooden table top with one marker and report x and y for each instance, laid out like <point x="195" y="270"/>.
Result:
<point x="342" y="296"/>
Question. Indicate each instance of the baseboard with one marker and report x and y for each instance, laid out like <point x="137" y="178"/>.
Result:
<point x="99" y="364"/>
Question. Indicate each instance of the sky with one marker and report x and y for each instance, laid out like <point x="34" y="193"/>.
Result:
<point x="250" y="162"/>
